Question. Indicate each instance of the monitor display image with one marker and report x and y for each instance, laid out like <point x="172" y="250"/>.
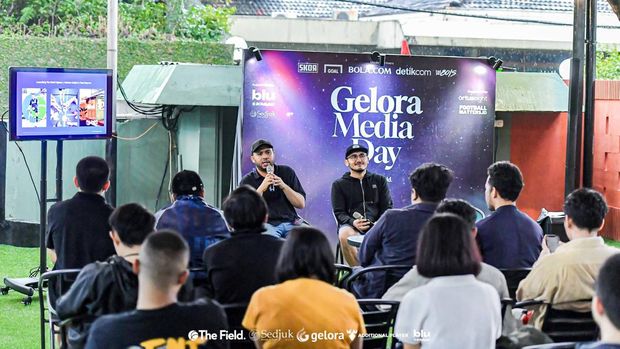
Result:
<point x="58" y="103"/>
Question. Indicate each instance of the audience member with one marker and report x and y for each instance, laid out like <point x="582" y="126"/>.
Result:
<point x="566" y="277"/>
<point x="305" y="303"/>
<point x="189" y="215"/>
<point x="606" y="305"/>
<point x="279" y="186"/>
<point x="111" y="286"/>
<point x="159" y="321"/>
<point x="508" y="238"/>
<point x="238" y="266"/>
<point x="393" y="239"/>
<point x="453" y="310"/>
<point x="488" y="273"/>
<point x="77" y="228"/>
<point x="358" y="191"/>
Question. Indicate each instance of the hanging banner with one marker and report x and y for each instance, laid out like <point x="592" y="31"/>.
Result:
<point x="414" y="109"/>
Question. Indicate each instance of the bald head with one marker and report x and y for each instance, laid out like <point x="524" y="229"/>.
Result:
<point x="163" y="259"/>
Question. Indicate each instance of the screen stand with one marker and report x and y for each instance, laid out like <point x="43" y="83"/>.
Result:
<point x="43" y="221"/>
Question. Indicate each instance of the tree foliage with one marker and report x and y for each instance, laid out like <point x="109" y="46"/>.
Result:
<point x="142" y="19"/>
<point x="608" y="64"/>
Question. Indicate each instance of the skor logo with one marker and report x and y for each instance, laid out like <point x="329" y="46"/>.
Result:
<point x="307" y="67"/>
<point x="263" y="95"/>
<point x="449" y="73"/>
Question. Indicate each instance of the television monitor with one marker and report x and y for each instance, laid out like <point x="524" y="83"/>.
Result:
<point x="59" y="103"/>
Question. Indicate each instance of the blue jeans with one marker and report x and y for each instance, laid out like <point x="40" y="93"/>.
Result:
<point x="281" y="230"/>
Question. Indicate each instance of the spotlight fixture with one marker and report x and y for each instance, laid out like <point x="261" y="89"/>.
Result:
<point x="378" y="58"/>
<point x="256" y="53"/>
<point x="495" y="62"/>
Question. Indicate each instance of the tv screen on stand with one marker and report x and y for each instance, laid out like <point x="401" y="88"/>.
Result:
<point x="59" y="103"/>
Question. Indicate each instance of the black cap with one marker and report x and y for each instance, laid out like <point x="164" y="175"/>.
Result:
<point x="354" y="148"/>
<point x="261" y="143"/>
<point x="186" y="183"/>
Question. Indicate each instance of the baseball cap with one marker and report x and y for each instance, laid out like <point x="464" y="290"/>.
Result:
<point x="354" y="148"/>
<point x="186" y="183"/>
<point x="261" y="143"/>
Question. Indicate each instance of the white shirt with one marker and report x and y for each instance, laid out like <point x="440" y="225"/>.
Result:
<point x="450" y="312"/>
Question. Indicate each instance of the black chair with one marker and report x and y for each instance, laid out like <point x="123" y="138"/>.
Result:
<point x="342" y="273"/>
<point x="63" y="276"/>
<point x="379" y="317"/>
<point x="569" y="326"/>
<point x="513" y="278"/>
<point x="234" y="313"/>
<point x="392" y="273"/>
<point x="563" y="345"/>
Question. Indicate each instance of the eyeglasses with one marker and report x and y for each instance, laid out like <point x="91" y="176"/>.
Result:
<point x="361" y="156"/>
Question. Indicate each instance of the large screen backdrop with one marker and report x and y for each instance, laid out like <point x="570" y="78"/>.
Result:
<point x="414" y="109"/>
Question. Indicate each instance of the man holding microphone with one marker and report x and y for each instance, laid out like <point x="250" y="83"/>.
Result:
<point x="279" y="186"/>
<point x="359" y="198"/>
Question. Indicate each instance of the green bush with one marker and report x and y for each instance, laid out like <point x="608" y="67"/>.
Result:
<point x="608" y="64"/>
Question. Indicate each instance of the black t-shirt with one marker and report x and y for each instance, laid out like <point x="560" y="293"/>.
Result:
<point x="167" y="327"/>
<point x="280" y="209"/>
<point x="78" y="231"/>
<point x="238" y="266"/>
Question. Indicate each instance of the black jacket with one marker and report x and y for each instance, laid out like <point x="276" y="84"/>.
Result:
<point x="100" y="288"/>
<point x="369" y="196"/>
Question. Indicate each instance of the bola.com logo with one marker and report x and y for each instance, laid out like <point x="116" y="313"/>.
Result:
<point x="302" y="336"/>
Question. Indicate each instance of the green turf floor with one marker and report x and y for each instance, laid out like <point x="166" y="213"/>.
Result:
<point x="19" y="324"/>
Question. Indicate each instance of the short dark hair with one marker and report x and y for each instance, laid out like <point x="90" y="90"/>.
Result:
<point x="306" y="253"/>
<point x="607" y="285"/>
<point x="431" y="181"/>
<point x="132" y="223"/>
<point x="163" y="257"/>
<point x="186" y="182"/>
<point x="507" y="179"/>
<point x="586" y="207"/>
<point x="460" y="208"/>
<point x="92" y="173"/>
<point x="446" y="247"/>
<point x="244" y="209"/>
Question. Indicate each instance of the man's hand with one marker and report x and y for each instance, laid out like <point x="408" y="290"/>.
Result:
<point x="267" y="181"/>
<point x="361" y="224"/>
<point x="278" y="182"/>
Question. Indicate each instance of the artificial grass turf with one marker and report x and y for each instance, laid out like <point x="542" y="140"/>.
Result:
<point x="19" y="324"/>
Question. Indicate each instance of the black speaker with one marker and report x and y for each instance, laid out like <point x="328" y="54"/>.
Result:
<point x="553" y="223"/>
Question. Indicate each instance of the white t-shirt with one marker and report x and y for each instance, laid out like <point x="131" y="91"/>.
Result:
<point x="450" y="312"/>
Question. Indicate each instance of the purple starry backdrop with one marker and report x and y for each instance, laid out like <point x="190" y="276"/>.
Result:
<point x="288" y="100"/>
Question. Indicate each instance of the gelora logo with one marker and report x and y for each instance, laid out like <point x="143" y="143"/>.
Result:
<point x="302" y="336"/>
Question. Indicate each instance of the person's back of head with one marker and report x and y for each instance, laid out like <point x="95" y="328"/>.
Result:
<point x="446" y="247"/>
<point x="245" y="210"/>
<point x="586" y="208"/>
<point x="306" y="254"/>
<point x="506" y="178"/>
<point x="430" y="181"/>
<point x="163" y="260"/>
<point x="460" y="208"/>
<point x="187" y="182"/>
<point x="91" y="174"/>
<point x="606" y="302"/>
<point x="132" y="223"/>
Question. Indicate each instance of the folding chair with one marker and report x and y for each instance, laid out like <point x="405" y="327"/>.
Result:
<point x="392" y="273"/>
<point x="569" y="326"/>
<point x="234" y="313"/>
<point x="379" y="318"/>
<point x="56" y="327"/>
<point x="342" y="273"/>
<point x="513" y="278"/>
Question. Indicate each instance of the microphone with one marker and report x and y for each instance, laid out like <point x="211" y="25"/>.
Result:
<point x="269" y="170"/>
<point x="358" y="215"/>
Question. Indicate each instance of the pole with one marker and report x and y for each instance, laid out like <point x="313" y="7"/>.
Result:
<point x="42" y="226"/>
<point x="575" y="103"/>
<point x="590" y="77"/>
<point x="112" y="56"/>
<point x="59" y="148"/>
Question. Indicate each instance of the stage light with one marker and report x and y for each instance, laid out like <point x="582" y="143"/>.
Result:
<point x="495" y="62"/>
<point x="378" y="58"/>
<point x="256" y="52"/>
